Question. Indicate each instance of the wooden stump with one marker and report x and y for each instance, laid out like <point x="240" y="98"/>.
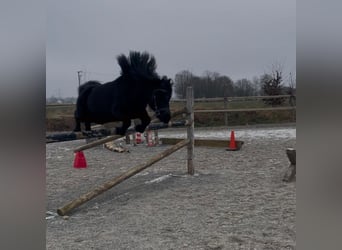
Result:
<point x="290" y="173"/>
<point x="128" y="139"/>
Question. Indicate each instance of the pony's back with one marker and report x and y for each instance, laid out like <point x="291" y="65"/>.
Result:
<point x="87" y="86"/>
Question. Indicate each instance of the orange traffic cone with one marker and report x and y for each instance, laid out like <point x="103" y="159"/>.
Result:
<point x="232" y="143"/>
<point x="80" y="161"/>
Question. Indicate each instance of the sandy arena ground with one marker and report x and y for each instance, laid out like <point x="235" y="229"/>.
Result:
<point x="235" y="200"/>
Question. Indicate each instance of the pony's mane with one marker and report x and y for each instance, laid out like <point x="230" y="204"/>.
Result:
<point x="138" y="65"/>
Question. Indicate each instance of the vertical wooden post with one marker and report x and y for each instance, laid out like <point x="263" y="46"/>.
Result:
<point x="190" y="128"/>
<point x="225" y="101"/>
<point x="134" y="139"/>
<point x="128" y="139"/>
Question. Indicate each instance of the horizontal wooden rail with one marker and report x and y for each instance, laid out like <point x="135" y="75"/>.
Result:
<point x="233" y="98"/>
<point x="242" y="110"/>
<point x="61" y="105"/>
<point x="98" y="131"/>
<point x="153" y="126"/>
<point x="97" y="142"/>
<point x="216" y="99"/>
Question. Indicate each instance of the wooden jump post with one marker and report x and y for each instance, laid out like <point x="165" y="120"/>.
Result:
<point x="189" y="142"/>
<point x="190" y="129"/>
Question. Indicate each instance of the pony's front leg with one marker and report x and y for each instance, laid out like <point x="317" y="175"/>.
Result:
<point x="145" y="120"/>
<point x="87" y="126"/>
<point x="122" y="130"/>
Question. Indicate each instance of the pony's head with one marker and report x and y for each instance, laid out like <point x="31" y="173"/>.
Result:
<point x="160" y="100"/>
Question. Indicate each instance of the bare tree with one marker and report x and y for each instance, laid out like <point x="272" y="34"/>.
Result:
<point x="291" y="90"/>
<point x="211" y="84"/>
<point x="182" y="81"/>
<point x="273" y="85"/>
<point x="244" y="87"/>
<point x="257" y="85"/>
<point x="292" y="85"/>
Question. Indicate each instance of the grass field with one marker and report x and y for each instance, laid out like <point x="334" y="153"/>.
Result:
<point x="60" y="117"/>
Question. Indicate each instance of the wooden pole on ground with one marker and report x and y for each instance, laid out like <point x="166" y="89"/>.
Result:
<point x="115" y="181"/>
<point x="190" y="128"/>
<point x="97" y="142"/>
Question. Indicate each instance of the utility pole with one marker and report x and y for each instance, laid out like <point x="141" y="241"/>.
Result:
<point x="79" y="74"/>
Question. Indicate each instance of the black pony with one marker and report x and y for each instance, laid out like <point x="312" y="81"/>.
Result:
<point x="126" y="97"/>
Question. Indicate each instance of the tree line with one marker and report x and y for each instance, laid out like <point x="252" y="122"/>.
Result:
<point x="212" y="84"/>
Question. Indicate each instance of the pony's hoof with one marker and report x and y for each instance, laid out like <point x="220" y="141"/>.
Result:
<point x="88" y="132"/>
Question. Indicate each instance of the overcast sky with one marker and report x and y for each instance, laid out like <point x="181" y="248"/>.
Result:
<point x="236" y="38"/>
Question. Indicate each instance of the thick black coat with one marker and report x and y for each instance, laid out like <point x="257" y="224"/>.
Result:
<point x="126" y="97"/>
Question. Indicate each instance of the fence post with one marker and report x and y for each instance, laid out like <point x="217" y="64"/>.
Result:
<point x="225" y="102"/>
<point x="190" y="128"/>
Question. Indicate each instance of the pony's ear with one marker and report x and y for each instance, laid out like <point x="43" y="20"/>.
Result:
<point x="169" y="80"/>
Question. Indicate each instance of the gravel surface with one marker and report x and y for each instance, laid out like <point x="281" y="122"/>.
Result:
<point x="235" y="200"/>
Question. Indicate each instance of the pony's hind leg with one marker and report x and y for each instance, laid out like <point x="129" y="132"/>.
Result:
<point x="77" y="123"/>
<point x="122" y="130"/>
<point x="87" y="126"/>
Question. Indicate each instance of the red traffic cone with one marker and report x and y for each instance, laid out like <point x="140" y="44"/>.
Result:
<point x="80" y="161"/>
<point x="232" y="143"/>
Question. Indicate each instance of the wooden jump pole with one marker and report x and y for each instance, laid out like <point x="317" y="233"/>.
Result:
<point x="70" y="136"/>
<point x="114" y="136"/>
<point x="153" y="126"/>
<point x="190" y="128"/>
<point x="113" y="182"/>
<point x="97" y="142"/>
